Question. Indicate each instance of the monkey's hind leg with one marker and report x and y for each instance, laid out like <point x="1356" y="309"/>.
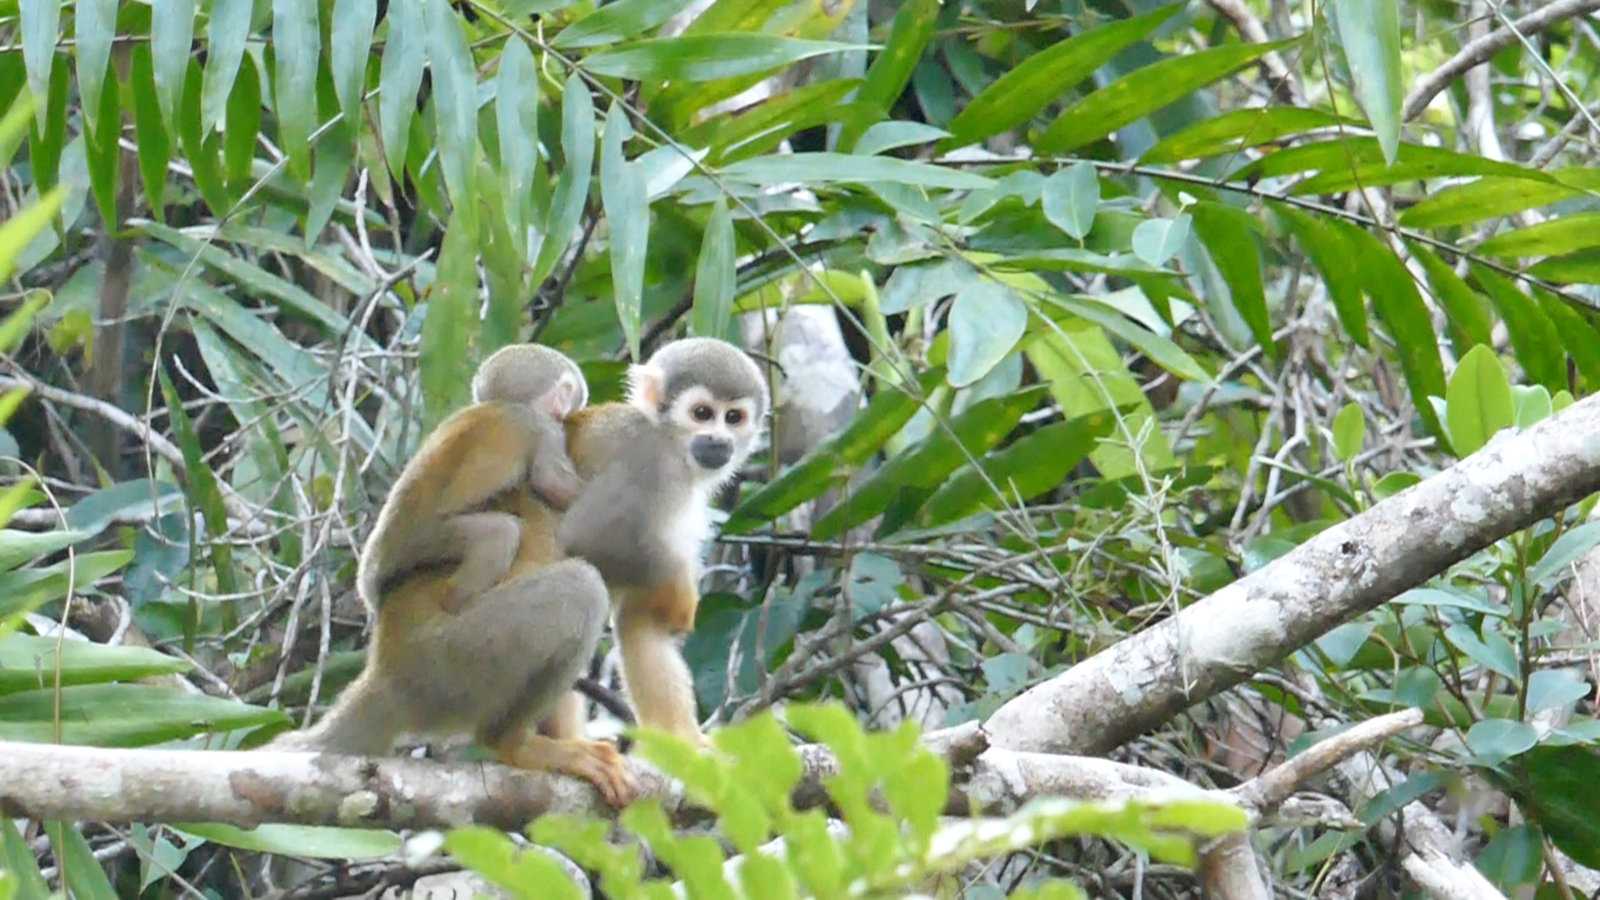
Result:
<point x="658" y="679"/>
<point x="533" y="635"/>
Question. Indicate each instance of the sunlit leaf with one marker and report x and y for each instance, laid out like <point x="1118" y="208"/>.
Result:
<point x="705" y="57"/>
<point x="616" y="21"/>
<point x="627" y="208"/>
<point x="1369" y="31"/>
<point x="913" y="27"/>
<point x="715" y="278"/>
<point x="1478" y="400"/>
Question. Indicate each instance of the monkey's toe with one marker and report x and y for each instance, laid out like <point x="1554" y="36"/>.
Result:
<point x="607" y="769"/>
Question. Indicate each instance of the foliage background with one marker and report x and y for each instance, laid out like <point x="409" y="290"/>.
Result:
<point x="1075" y="311"/>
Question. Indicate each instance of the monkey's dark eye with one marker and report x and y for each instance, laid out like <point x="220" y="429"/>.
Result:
<point x="703" y="413"/>
<point x="733" y="416"/>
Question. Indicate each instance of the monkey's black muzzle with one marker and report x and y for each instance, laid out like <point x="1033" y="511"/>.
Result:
<point x="710" y="452"/>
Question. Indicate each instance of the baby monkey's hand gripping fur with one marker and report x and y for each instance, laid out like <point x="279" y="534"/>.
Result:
<point x="693" y="415"/>
<point x="512" y="435"/>
<point x="497" y="665"/>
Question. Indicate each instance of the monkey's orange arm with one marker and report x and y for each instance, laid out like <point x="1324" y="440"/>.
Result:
<point x="674" y="601"/>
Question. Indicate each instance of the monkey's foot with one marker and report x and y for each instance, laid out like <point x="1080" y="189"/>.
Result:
<point x="597" y="762"/>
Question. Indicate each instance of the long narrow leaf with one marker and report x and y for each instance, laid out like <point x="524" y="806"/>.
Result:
<point x="616" y="21"/>
<point x="1369" y="30"/>
<point x="706" y="57"/>
<point x="627" y="207"/>
<point x="94" y="24"/>
<point x="891" y="69"/>
<point x="516" y="109"/>
<point x="572" y="186"/>
<point x="1533" y="335"/>
<point x="399" y="78"/>
<point x="455" y="106"/>
<point x="353" y="22"/>
<point x="1231" y="241"/>
<point x="171" y="40"/>
<point x="296" y="46"/>
<point x="714" y="277"/>
<point x="41" y="23"/>
<point x="225" y="37"/>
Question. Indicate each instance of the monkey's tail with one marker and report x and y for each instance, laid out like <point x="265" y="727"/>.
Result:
<point x="364" y="722"/>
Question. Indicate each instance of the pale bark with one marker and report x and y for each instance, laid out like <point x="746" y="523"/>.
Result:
<point x="1214" y="644"/>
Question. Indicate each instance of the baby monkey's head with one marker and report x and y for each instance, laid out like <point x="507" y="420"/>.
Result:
<point x="711" y="395"/>
<point x="532" y="375"/>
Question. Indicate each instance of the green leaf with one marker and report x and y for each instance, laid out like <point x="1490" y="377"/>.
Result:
<point x="1037" y="81"/>
<point x="1399" y="306"/>
<point x="455" y="107"/>
<point x="1330" y="252"/>
<point x="314" y="841"/>
<point x="94" y="25"/>
<point x="980" y="427"/>
<point x="523" y="871"/>
<point x="399" y="78"/>
<point x="1470" y="322"/>
<point x="1577" y="268"/>
<point x="80" y="871"/>
<point x="1349" y="432"/>
<point x="452" y="308"/>
<point x="257" y="280"/>
<point x="516" y="107"/>
<point x="243" y="119"/>
<point x="627" y="208"/>
<point x="124" y="715"/>
<point x="914" y="26"/>
<point x="25" y="590"/>
<point x="1158" y="240"/>
<point x="572" y="185"/>
<point x="715" y="278"/>
<point x="200" y="147"/>
<point x="822" y="168"/>
<point x="296" y="47"/>
<point x="28" y="662"/>
<point x="1161" y="350"/>
<point x="616" y="21"/>
<point x="706" y="57"/>
<point x="14" y="125"/>
<point x="1478" y="400"/>
<point x="18" y="547"/>
<point x="986" y="321"/>
<point x="1560" y="796"/>
<point x="1533" y="404"/>
<point x="201" y="484"/>
<point x="1030" y="466"/>
<point x="1554" y="688"/>
<point x="1238" y="130"/>
<point x="226" y="32"/>
<point x="1070" y="197"/>
<point x="1493" y="741"/>
<point x="1369" y="32"/>
<point x="20" y="230"/>
<point x="353" y="22"/>
<point x="1491" y="197"/>
<point x="1144" y="91"/>
<point x="1580" y="338"/>
<point x="154" y="145"/>
<point x="40" y="27"/>
<point x="19" y="862"/>
<point x="1567" y="549"/>
<point x="1496" y="656"/>
<point x="1553" y="237"/>
<point x="1346" y="162"/>
<point x="1231" y="240"/>
<point x="1533" y="335"/>
<point x="171" y="41"/>
<point x="886" y="136"/>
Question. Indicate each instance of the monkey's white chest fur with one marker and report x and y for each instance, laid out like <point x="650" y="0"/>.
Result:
<point x="691" y="528"/>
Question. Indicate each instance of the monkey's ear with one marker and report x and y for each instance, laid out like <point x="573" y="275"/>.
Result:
<point x="564" y="398"/>
<point x="647" y="387"/>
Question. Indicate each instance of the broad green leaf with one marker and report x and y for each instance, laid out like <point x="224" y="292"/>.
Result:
<point x="452" y="308"/>
<point x="1513" y="856"/>
<point x="822" y="168"/>
<point x="1345" y="162"/>
<point x="171" y="41"/>
<point x="627" y="208"/>
<point x="455" y="107"/>
<point x="1577" y="268"/>
<point x="28" y="663"/>
<point x="516" y="107"/>
<point x="80" y="871"/>
<point x="1399" y="307"/>
<point x="18" y="547"/>
<point x="1478" y="400"/>
<point x="616" y="21"/>
<point x="1144" y="91"/>
<point x="522" y="871"/>
<point x="20" y="863"/>
<point x="296" y="47"/>
<point x="831" y="461"/>
<point x="572" y="185"/>
<point x="124" y="715"/>
<point x="759" y="129"/>
<point x="1554" y="688"/>
<point x="714" y="277"/>
<point x="1533" y="335"/>
<point x="1533" y="404"/>
<point x="1037" y="81"/>
<point x="1563" y="553"/>
<point x="40" y="27"/>
<point x="986" y="321"/>
<point x="1493" y="654"/>
<point x="1495" y="740"/>
<point x="1369" y="32"/>
<point x="1470" y="322"/>
<point x="1554" y="237"/>
<point x="1234" y="131"/>
<point x="705" y="57"/>
<point x="1453" y="598"/>
<point x="1349" y="432"/>
<point x="314" y="841"/>
<point x="25" y="590"/>
<point x="226" y="31"/>
<point x="1070" y="198"/>
<point x="914" y="25"/>
<point x="399" y="77"/>
<point x="94" y="24"/>
<point x="980" y="427"/>
<point x="353" y="22"/>
<point x="886" y="136"/>
<point x="1157" y="240"/>
<point x="1232" y="243"/>
<point x="1324" y="242"/>
<point x="1161" y="350"/>
<point x="1560" y="796"/>
<point x="1030" y="466"/>
<point x="1490" y="197"/>
<point x="18" y="231"/>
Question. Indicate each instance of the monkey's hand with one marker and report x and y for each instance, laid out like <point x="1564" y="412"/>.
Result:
<point x="556" y="481"/>
<point x="597" y="762"/>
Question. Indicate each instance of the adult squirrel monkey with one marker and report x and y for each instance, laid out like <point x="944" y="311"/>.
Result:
<point x="512" y="435"/>
<point x="491" y="662"/>
<point x="695" y="410"/>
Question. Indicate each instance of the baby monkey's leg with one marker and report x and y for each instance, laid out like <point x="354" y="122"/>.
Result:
<point x="487" y="543"/>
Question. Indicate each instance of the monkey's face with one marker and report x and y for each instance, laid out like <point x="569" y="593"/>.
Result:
<point x="718" y="433"/>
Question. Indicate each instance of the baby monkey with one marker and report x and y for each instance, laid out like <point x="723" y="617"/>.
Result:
<point x="435" y="515"/>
